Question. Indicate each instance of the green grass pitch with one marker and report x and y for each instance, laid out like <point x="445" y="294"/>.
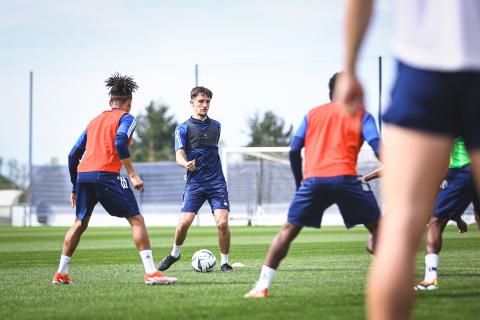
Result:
<point x="322" y="277"/>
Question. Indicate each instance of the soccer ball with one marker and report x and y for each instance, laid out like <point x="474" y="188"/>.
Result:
<point x="203" y="261"/>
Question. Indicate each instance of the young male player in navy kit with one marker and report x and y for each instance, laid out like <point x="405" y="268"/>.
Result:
<point x="196" y="149"/>
<point x="94" y="164"/>
<point x="332" y="140"/>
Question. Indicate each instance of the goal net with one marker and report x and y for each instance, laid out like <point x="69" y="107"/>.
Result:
<point x="261" y="184"/>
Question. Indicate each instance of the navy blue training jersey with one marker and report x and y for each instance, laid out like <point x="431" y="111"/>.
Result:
<point x="199" y="139"/>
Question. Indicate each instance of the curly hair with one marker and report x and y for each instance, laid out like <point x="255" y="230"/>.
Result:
<point x="120" y="87"/>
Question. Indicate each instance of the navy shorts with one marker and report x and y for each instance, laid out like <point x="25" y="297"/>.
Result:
<point x="457" y="191"/>
<point x="355" y="200"/>
<point x="195" y="195"/>
<point x="113" y="193"/>
<point x="438" y="102"/>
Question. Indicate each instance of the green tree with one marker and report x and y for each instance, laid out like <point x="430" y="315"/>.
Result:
<point x="154" y="134"/>
<point x="268" y="131"/>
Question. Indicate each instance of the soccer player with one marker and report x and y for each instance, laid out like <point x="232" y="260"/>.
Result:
<point x="434" y="100"/>
<point x="94" y="164"/>
<point x="196" y="150"/>
<point x="332" y="140"/>
<point x="457" y="191"/>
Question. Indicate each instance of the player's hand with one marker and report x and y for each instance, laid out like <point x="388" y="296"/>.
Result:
<point x="73" y="198"/>
<point x="461" y="225"/>
<point x="190" y="165"/>
<point x="137" y="183"/>
<point x="349" y="91"/>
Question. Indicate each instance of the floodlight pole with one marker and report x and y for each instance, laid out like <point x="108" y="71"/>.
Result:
<point x="196" y="75"/>
<point x="30" y="135"/>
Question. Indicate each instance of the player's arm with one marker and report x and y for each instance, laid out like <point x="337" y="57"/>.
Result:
<point x="134" y="178"/>
<point x="74" y="158"/>
<point x="124" y="134"/>
<point x="295" y="154"/>
<point x="370" y="133"/>
<point x="181" y="159"/>
<point x="375" y="174"/>
<point x="180" y="143"/>
<point x="357" y="18"/>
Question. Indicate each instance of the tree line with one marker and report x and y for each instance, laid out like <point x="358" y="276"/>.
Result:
<point x="155" y="129"/>
<point x="153" y="140"/>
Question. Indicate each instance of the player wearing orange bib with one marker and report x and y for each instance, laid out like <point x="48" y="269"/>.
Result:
<point x="94" y="164"/>
<point x="332" y="140"/>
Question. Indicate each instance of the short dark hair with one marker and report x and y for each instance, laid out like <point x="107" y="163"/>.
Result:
<point x="331" y="83"/>
<point x="120" y="87"/>
<point x="200" y="90"/>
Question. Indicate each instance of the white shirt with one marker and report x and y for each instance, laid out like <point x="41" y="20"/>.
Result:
<point x="441" y="35"/>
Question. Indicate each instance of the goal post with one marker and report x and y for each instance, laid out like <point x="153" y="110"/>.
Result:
<point x="260" y="183"/>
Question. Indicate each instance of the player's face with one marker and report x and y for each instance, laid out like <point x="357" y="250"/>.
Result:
<point x="200" y="104"/>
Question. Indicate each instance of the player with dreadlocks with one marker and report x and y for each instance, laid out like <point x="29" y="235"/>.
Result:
<point x="94" y="164"/>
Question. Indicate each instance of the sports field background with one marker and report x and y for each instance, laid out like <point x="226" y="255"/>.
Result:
<point x="322" y="277"/>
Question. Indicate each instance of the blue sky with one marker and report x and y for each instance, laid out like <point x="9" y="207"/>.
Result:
<point x="253" y="55"/>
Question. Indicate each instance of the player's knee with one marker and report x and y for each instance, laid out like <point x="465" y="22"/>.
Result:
<point x="80" y="225"/>
<point x="289" y="231"/>
<point x="136" y="221"/>
<point x="185" y="223"/>
<point x="222" y="226"/>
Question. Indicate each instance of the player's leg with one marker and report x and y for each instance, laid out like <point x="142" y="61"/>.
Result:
<point x="454" y="197"/>
<point x="371" y="243"/>
<point x="72" y="237"/>
<point x="433" y="244"/>
<point x="476" y="205"/>
<point x="276" y="253"/>
<point x="186" y="219"/>
<point x="461" y="225"/>
<point x="139" y="232"/>
<point x="217" y="197"/>
<point x="306" y="209"/>
<point x="142" y="242"/>
<point x="280" y="244"/>
<point x="434" y="239"/>
<point x="116" y="196"/>
<point x="85" y="202"/>
<point x="193" y="199"/>
<point x="414" y="165"/>
<point x="475" y="157"/>
<point x="221" y="220"/>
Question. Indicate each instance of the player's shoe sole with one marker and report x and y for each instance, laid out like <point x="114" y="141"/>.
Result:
<point x="256" y="294"/>
<point x="61" y="279"/>
<point x="427" y="285"/>
<point x="158" y="278"/>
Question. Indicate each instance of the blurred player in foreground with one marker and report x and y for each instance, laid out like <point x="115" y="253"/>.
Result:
<point x="196" y="150"/>
<point x="434" y="100"/>
<point x="101" y="150"/>
<point x="332" y="140"/>
<point x="457" y="191"/>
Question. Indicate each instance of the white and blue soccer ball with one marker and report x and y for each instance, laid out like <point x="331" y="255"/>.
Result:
<point x="203" y="260"/>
